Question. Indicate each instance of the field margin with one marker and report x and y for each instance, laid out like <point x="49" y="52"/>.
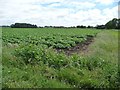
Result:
<point x="0" y="57"/>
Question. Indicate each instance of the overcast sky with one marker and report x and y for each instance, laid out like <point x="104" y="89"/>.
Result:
<point x="58" y="12"/>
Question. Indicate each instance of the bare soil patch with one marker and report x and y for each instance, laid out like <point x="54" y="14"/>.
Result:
<point x="81" y="47"/>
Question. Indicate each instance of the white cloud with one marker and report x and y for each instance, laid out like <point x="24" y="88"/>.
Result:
<point x="74" y="12"/>
<point x="72" y="4"/>
<point x="105" y="1"/>
<point x="82" y="5"/>
<point x="111" y="12"/>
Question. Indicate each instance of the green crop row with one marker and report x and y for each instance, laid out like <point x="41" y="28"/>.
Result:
<point x="61" y="41"/>
<point x="29" y="60"/>
<point x="71" y="69"/>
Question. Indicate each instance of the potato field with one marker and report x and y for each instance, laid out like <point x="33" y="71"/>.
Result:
<point x="59" y="58"/>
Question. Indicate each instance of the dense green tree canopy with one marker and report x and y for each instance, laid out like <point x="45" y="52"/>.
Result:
<point x="23" y="25"/>
<point x="113" y="24"/>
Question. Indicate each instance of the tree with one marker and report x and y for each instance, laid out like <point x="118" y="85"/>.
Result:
<point x="100" y="26"/>
<point x="81" y="26"/>
<point x="23" y="25"/>
<point x="113" y="24"/>
<point x="90" y="26"/>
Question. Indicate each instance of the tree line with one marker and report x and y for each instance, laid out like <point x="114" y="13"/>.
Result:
<point x="23" y="25"/>
<point x="112" y="24"/>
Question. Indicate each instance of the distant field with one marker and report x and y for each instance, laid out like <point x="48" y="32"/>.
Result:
<point x="57" y="38"/>
<point x="30" y="58"/>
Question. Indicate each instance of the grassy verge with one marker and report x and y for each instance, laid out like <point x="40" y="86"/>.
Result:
<point x="96" y="69"/>
<point x="105" y="47"/>
<point x="0" y="57"/>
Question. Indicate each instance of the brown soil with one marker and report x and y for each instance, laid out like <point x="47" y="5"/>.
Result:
<point x="81" y="47"/>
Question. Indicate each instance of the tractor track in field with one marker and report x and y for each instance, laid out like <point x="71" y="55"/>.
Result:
<point x="81" y="47"/>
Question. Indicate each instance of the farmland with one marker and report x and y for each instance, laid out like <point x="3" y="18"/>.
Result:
<point x="31" y="59"/>
<point x="51" y="38"/>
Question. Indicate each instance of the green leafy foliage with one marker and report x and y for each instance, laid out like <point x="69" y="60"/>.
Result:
<point x="53" y="39"/>
<point x="31" y="61"/>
